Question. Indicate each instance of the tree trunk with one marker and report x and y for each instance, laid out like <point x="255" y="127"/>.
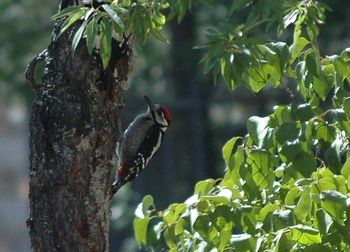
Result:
<point x="73" y="131"/>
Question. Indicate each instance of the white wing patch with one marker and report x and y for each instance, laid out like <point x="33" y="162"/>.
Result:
<point x="155" y="148"/>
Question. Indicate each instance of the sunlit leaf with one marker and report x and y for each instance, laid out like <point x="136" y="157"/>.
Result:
<point x="262" y="164"/>
<point x="305" y="235"/>
<point x="303" y="207"/>
<point x="140" y="229"/>
<point x="334" y="203"/>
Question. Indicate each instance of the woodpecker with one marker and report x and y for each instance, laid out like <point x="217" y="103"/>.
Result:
<point x="140" y="141"/>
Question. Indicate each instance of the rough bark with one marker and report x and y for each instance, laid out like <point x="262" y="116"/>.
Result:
<point x="73" y="131"/>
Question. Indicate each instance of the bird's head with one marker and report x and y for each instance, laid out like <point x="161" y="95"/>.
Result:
<point x="160" y="113"/>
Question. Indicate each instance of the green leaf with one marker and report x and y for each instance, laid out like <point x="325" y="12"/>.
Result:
<point x="312" y="65"/>
<point x="333" y="156"/>
<point x="113" y="15"/>
<point x="347" y="106"/>
<point x="282" y="52"/>
<point x="140" y="230"/>
<point x="325" y="133"/>
<point x="281" y="115"/>
<point x="268" y="209"/>
<point x="225" y="235"/>
<point x="204" y="186"/>
<point x="318" y="248"/>
<point x="345" y="171"/>
<point x="256" y="79"/>
<point x="301" y="74"/>
<point x="72" y="19"/>
<point x="170" y="216"/>
<point x="326" y="183"/>
<point x="224" y="196"/>
<point x="169" y="237"/>
<point x="106" y="40"/>
<point x="237" y="5"/>
<point x="159" y="19"/>
<point x="334" y="203"/>
<point x="236" y="163"/>
<point x="305" y="235"/>
<point x="228" y="149"/>
<point x="282" y="219"/>
<point x="292" y="196"/>
<point x="180" y="226"/>
<point x="303" y="207"/>
<point x="226" y="68"/>
<point x="144" y="209"/>
<point x="203" y="226"/>
<point x="147" y="202"/>
<point x="68" y="11"/>
<point x="173" y="212"/>
<point x="287" y="132"/>
<point x="290" y="150"/>
<point x="324" y="221"/>
<point x="303" y="112"/>
<point x="257" y="129"/>
<point x="322" y="88"/>
<point x="77" y="36"/>
<point x="305" y="163"/>
<point x="342" y="67"/>
<point x="91" y="30"/>
<point x="158" y="35"/>
<point x="261" y="164"/>
<point x="297" y="47"/>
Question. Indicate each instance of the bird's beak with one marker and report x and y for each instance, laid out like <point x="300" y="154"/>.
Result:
<point x="150" y="104"/>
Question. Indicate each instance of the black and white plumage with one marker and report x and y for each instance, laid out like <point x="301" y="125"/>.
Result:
<point x="140" y="142"/>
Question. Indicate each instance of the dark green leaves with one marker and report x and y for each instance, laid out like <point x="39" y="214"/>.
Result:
<point x="106" y="35"/>
<point x="114" y="16"/>
<point x="91" y="31"/>
<point x="76" y="14"/>
<point x="120" y="19"/>
<point x="78" y="36"/>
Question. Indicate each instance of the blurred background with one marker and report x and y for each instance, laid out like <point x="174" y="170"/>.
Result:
<point x="205" y="115"/>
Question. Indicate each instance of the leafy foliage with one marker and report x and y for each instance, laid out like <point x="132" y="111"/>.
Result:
<point x="286" y="185"/>
<point x="114" y="18"/>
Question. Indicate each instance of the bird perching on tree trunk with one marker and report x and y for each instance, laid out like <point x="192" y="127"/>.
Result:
<point x="75" y="119"/>
<point x="74" y="126"/>
<point x="140" y="142"/>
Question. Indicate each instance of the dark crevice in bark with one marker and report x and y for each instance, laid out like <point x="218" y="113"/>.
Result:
<point x="73" y="131"/>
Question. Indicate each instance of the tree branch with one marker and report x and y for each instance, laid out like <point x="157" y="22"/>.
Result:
<point x="29" y="74"/>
